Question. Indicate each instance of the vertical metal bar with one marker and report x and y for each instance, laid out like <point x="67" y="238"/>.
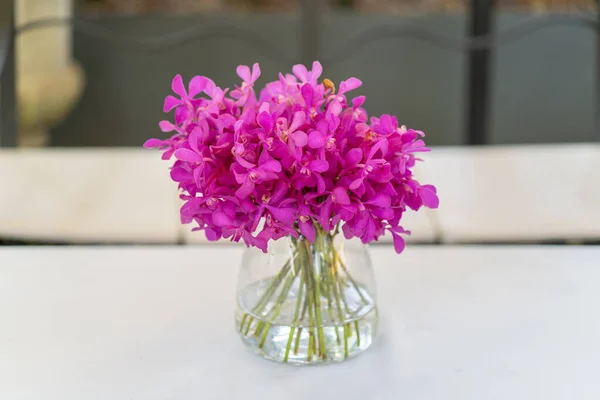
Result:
<point x="309" y="30"/>
<point x="478" y="93"/>
<point x="8" y="98"/>
<point x="598" y="71"/>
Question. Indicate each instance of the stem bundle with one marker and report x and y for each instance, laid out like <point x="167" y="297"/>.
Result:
<point x="318" y="281"/>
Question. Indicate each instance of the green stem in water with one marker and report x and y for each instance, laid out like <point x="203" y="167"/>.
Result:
<point x="343" y="296"/>
<point x="304" y="308"/>
<point x="311" y="337"/>
<point x="329" y="293"/>
<point x="312" y="344"/>
<point x="271" y="289"/>
<point x="330" y="289"/>
<point x="330" y="275"/>
<point x="317" y="301"/>
<point x="317" y="304"/>
<point x="295" y="321"/>
<point x="352" y="282"/>
<point x="347" y="335"/>
<point x="280" y="300"/>
<point x="243" y="322"/>
<point x="335" y="281"/>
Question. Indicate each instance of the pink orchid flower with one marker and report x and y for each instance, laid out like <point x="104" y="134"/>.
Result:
<point x="246" y="91"/>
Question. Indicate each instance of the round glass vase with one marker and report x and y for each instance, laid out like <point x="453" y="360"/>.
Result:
<point x="305" y="303"/>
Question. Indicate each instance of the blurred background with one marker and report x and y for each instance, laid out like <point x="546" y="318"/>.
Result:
<point x="520" y="76"/>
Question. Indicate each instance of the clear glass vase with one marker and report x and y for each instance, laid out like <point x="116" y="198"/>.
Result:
<point x="306" y="303"/>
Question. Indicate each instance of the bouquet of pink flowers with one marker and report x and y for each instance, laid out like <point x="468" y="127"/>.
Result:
<point x="297" y="158"/>
<point x="300" y="161"/>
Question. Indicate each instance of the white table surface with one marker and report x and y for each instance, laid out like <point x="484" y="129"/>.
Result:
<point x="147" y="323"/>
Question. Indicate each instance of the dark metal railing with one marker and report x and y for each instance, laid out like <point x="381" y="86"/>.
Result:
<point x="8" y="92"/>
<point x="478" y="83"/>
<point x="479" y="46"/>
<point x="598" y="72"/>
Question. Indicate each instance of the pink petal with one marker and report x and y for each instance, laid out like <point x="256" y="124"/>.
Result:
<point x="211" y="89"/>
<point x="356" y="183"/>
<point x="245" y="190"/>
<point x="386" y="123"/>
<point x="255" y="72"/>
<point x="170" y="103"/>
<point x="340" y="196"/>
<point x="428" y="196"/>
<point x="198" y="176"/>
<point x="382" y="173"/>
<point x="370" y="231"/>
<point x="197" y="85"/>
<point x="430" y="187"/>
<point x="318" y="165"/>
<point x="301" y="72"/>
<point x="316" y="140"/>
<point x="244" y="163"/>
<point x="187" y="155"/>
<point x="399" y="243"/>
<point x="347" y="229"/>
<point x="308" y="94"/>
<point x="349" y="84"/>
<point x="281" y="189"/>
<point x="239" y="124"/>
<point x="381" y="200"/>
<point x="265" y="120"/>
<point x="180" y="175"/>
<point x="166" y="126"/>
<point x="317" y="70"/>
<point x="211" y="235"/>
<point x="177" y="86"/>
<point x="334" y="108"/>
<point x="219" y="218"/>
<point x="297" y="121"/>
<point x="181" y="115"/>
<point x="272" y="165"/>
<point x="358" y="101"/>
<point x="268" y="176"/>
<point x="323" y="127"/>
<point x="153" y="143"/>
<point x="320" y="184"/>
<point x="244" y="72"/>
<point x="384" y="213"/>
<point x="195" y="137"/>
<point x="334" y="122"/>
<point x="360" y="190"/>
<point x="307" y="229"/>
<point x="265" y="107"/>
<point x="380" y="145"/>
<point x="300" y="138"/>
<point x="360" y="223"/>
<point x="362" y="129"/>
<point x="325" y="213"/>
<point x="284" y="215"/>
<point x="354" y="156"/>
